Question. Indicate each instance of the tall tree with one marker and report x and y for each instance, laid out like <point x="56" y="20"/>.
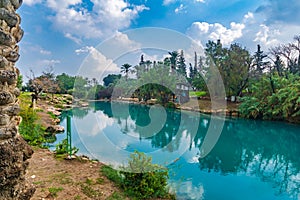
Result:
<point x="214" y="52"/>
<point x="173" y="59"/>
<point x="259" y="61"/>
<point x="236" y="69"/>
<point x="125" y="68"/>
<point x="181" y="66"/>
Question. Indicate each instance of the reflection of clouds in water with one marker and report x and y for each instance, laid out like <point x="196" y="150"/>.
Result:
<point x="204" y="123"/>
<point x="93" y="123"/>
<point x="128" y="126"/>
<point x="91" y="132"/>
<point x="186" y="190"/>
<point x="192" y="156"/>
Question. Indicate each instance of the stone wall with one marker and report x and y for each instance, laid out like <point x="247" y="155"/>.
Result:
<point x="14" y="151"/>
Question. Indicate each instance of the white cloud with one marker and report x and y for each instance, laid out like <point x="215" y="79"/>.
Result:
<point x="118" y="45"/>
<point x="96" y="65"/>
<point x="32" y="2"/>
<point x="249" y="15"/>
<point x="274" y="11"/>
<point x="257" y="31"/>
<point x="36" y="49"/>
<point x="200" y="1"/>
<point x="251" y="31"/>
<point x="48" y="63"/>
<point x="105" y="18"/>
<point x="265" y="36"/>
<point x="203" y="31"/>
<point x="74" y="38"/>
<point x="168" y="2"/>
<point x="180" y="9"/>
<point x="45" y="52"/>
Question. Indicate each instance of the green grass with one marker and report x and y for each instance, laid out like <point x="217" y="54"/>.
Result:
<point x="89" y="191"/>
<point x="63" y="178"/>
<point x="89" y="181"/>
<point x="111" y="174"/>
<point x="99" y="181"/>
<point x="53" y="191"/>
<point x="77" y="197"/>
<point x="116" y="196"/>
<point x="51" y="115"/>
<point x="198" y="93"/>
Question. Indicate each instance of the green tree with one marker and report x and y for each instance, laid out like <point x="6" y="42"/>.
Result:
<point x="233" y="64"/>
<point x="80" y="87"/>
<point x="214" y="53"/>
<point x="65" y="82"/>
<point x="125" y="68"/>
<point x="259" y="62"/>
<point x="173" y="59"/>
<point x="162" y="84"/>
<point x="181" y="66"/>
<point x="235" y="69"/>
<point x="111" y="79"/>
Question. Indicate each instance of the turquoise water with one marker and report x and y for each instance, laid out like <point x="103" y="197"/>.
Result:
<point x="250" y="160"/>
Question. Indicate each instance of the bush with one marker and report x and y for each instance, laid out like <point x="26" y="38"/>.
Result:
<point x="283" y="104"/>
<point x="32" y="132"/>
<point x="141" y="179"/>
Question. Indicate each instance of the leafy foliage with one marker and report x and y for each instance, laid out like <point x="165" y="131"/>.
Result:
<point x="141" y="179"/>
<point x="29" y="128"/>
<point x="31" y="131"/>
<point x="111" y="79"/>
<point x="144" y="179"/>
<point x="65" y="82"/>
<point x="283" y="104"/>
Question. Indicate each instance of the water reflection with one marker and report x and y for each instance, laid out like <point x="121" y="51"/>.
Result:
<point x="267" y="151"/>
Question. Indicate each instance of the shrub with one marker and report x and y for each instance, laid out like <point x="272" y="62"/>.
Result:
<point x="32" y="132"/>
<point x="141" y="179"/>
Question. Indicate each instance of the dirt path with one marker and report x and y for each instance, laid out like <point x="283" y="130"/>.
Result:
<point x="67" y="179"/>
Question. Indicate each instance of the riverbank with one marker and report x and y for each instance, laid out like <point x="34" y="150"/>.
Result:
<point x="53" y="178"/>
<point x="204" y="106"/>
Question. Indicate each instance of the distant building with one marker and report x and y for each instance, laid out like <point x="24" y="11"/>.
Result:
<point x="182" y="93"/>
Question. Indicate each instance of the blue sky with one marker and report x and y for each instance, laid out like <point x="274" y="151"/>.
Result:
<point x="62" y="33"/>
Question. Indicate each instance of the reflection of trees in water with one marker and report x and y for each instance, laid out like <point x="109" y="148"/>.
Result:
<point x="105" y="107"/>
<point x="78" y="113"/>
<point x="264" y="149"/>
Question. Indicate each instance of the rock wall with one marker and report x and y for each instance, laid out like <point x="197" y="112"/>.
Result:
<point x="14" y="151"/>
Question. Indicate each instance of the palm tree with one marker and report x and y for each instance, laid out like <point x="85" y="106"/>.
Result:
<point x="125" y="68"/>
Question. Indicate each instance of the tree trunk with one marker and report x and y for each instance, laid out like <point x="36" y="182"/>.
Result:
<point x="14" y="151"/>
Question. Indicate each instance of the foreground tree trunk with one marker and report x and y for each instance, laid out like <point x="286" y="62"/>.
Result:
<point x="14" y="151"/>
